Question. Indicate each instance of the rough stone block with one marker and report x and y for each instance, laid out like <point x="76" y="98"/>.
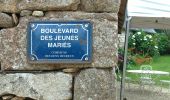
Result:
<point x="46" y="5"/>
<point x="6" y="20"/>
<point x="15" y="6"/>
<point x="13" y="41"/>
<point x="95" y="84"/>
<point x="100" y="5"/>
<point x="46" y="86"/>
<point x="25" y="13"/>
<point x="9" y="6"/>
<point x="38" y="13"/>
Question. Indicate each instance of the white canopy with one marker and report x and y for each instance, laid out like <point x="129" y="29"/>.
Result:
<point x="149" y="13"/>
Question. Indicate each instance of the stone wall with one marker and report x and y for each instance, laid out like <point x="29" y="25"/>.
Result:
<point x="91" y="81"/>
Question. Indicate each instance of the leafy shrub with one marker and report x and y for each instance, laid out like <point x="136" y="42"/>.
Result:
<point x="163" y="43"/>
<point x="166" y="32"/>
<point x="143" y="44"/>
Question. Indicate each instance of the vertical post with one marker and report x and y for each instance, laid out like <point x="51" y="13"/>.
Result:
<point x="122" y="91"/>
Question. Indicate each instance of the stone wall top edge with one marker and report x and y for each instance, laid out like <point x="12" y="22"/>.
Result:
<point x="16" y="6"/>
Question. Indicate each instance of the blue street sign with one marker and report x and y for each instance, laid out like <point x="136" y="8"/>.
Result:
<point x="60" y="42"/>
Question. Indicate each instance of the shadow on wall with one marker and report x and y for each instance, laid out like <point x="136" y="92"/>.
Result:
<point x="8" y="96"/>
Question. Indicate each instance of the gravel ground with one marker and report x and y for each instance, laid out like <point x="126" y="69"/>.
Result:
<point x="134" y="92"/>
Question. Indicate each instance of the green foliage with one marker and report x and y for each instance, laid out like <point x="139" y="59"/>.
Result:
<point x="130" y="59"/>
<point x="143" y="44"/>
<point x="166" y="34"/>
<point x="144" y="48"/>
<point x="163" y="43"/>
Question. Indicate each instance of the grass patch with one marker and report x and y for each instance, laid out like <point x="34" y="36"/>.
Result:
<point x="161" y="63"/>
